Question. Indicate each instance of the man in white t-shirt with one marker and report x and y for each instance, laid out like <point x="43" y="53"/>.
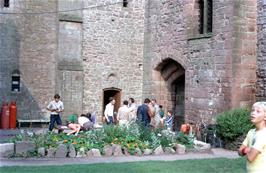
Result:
<point x="55" y="107"/>
<point x="109" y="111"/>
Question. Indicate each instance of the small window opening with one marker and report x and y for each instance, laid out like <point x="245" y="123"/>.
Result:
<point x="201" y="16"/>
<point x="209" y="16"/>
<point x="6" y="3"/>
<point x="125" y="3"/>
<point x="15" y="85"/>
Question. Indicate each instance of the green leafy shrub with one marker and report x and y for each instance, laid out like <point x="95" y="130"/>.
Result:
<point x="233" y="124"/>
<point x="184" y="140"/>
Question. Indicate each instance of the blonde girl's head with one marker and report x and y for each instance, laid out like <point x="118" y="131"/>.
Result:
<point x="261" y="105"/>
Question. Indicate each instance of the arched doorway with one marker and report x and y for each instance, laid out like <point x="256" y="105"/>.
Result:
<point x="170" y="82"/>
<point x="112" y="92"/>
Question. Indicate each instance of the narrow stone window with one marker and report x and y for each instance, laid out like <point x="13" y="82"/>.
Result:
<point x="203" y="16"/>
<point x="6" y="3"/>
<point x="209" y="16"/>
<point x="15" y="85"/>
<point x="125" y="3"/>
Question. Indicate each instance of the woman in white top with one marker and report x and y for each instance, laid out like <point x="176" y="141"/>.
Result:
<point x="85" y="122"/>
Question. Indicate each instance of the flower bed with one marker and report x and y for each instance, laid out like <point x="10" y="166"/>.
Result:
<point x="109" y="140"/>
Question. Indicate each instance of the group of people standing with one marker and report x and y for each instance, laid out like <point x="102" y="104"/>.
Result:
<point x="126" y="113"/>
<point x="148" y="114"/>
<point x="151" y="114"/>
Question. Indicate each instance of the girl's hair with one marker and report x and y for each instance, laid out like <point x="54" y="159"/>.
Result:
<point x="261" y="105"/>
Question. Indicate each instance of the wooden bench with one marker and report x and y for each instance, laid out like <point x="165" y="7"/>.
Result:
<point x="20" y="121"/>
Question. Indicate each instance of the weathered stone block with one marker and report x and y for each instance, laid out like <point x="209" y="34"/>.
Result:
<point x="61" y="151"/>
<point x="117" y="150"/>
<point x="7" y="149"/>
<point x="41" y="151"/>
<point x="158" y="151"/>
<point x="51" y="152"/>
<point x="108" y="150"/>
<point x="22" y="147"/>
<point x="94" y="153"/>
<point x="72" y="151"/>
<point x="180" y="149"/>
<point x="147" y="152"/>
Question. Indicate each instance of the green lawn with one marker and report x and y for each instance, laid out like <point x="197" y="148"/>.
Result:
<point x="182" y="166"/>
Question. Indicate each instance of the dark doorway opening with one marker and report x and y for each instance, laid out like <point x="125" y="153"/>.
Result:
<point x="179" y="108"/>
<point x="116" y="94"/>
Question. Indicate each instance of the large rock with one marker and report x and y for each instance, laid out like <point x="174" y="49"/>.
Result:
<point x="94" y="153"/>
<point x="81" y="152"/>
<point x="51" y="152"/>
<point x="41" y="151"/>
<point x="126" y="152"/>
<point x="61" y="151"/>
<point x="7" y="149"/>
<point x="108" y="150"/>
<point x="23" y="147"/>
<point x="71" y="151"/>
<point x="159" y="150"/>
<point x="117" y="150"/>
<point x="147" y="152"/>
<point x="202" y="146"/>
<point x="138" y="152"/>
<point x="180" y="149"/>
<point x="169" y="150"/>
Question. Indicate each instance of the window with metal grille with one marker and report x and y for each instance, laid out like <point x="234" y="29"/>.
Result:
<point x="15" y="79"/>
<point x="6" y="3"/>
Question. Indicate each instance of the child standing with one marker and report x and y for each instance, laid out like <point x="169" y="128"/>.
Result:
<point x="161" y="111"/>
<point x="254" y="146"/>
<point x="56" y="107"/>
<point x="168" y="121"/>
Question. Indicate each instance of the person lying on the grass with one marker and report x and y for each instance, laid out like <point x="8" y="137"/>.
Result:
<point x="73" y="125"/>
<point x="85" y="121"/>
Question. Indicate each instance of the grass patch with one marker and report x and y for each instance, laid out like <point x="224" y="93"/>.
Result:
<point x="220" y="165"/>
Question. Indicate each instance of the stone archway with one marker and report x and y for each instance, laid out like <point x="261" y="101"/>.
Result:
<point x="169" y="88"/>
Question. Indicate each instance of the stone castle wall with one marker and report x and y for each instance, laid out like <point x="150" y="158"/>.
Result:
<point x="219" y="68"/>
<point x="261" y="68"/>
<point x="112" y="50"/>
<point x="69" y="81"/>
<point x="147" y="49"/>
<point x="29" y="44"/>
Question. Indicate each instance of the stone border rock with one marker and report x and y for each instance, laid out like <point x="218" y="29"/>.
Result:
<point x="22" y="148"/>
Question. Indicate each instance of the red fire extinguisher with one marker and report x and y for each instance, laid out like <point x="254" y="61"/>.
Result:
<point x="5" y="116"/>
<point x="12" y="115"/>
